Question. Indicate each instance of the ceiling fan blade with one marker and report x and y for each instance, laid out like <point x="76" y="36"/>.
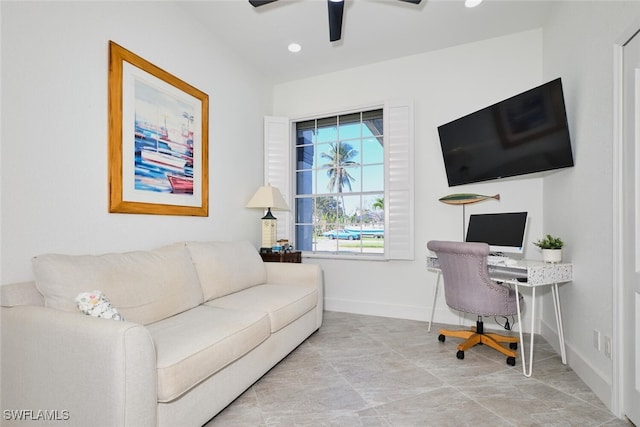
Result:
<point x="256" y="3"/>
<point x="412" y="1"/>
<point x="335" y="19"/>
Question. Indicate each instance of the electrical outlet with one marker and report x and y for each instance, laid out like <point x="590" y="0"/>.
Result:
<point x="596" y="339"/>
<point x="607" y="347"/>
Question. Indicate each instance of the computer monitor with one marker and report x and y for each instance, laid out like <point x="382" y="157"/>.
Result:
<point x="504" y="232"/>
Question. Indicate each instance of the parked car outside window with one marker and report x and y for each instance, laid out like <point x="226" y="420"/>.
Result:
<point x="342" y="234"/>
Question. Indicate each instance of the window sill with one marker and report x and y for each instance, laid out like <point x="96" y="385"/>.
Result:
<point x="343" y="256"/>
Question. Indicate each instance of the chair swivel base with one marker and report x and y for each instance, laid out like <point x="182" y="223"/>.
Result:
<point x="476" y="336"/>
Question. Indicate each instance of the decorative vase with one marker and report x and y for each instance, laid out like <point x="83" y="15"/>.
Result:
<point x="552" y="255"/>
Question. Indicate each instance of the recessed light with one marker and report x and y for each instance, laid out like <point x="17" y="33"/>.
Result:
<point x="294" y="47"/>
<point x="472" y="3"/>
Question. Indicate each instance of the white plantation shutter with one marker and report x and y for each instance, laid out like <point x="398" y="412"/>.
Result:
<point x="399" y="180"/>
<point x="278" y="168"/>
<point x="399" y="176"/>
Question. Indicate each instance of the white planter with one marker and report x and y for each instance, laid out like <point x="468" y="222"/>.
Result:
<point x="552" y="255"/>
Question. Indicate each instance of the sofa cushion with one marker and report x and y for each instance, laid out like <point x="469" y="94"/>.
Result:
<point x="284" y="303"/>
<point x="194" y="345"/>
<point x="226" y="267"/>
<point x="146" y="286"/>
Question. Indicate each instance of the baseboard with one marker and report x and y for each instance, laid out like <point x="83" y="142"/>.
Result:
<point x="442" y="315"/>
<point x="420" y="313"/>
<point x="595" y="380"/>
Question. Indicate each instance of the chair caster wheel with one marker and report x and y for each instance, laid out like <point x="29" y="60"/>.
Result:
<point x="513" y="345"/>
<point x="511" y="361"/>
<point x="460" y="355"/>
<point x="441" y="338"/>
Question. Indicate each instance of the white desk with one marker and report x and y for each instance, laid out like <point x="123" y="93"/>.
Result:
<point x="533" y="274"/>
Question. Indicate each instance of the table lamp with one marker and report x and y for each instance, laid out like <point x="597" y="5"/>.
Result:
<point x="268" y="197"/>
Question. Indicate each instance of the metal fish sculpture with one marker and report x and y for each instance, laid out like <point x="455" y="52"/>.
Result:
<point x="466" y="198"/>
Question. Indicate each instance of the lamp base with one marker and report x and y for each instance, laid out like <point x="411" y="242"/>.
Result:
<point x="268" y="232"/>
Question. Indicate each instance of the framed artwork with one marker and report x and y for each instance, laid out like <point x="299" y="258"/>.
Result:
<point x="158" y="140"/>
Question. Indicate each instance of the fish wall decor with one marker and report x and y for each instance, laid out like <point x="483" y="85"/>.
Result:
<point x="466" y="198"/>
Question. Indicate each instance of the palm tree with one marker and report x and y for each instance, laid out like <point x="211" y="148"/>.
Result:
<point x="339" y="156"/>
<point x="378" y="204"/>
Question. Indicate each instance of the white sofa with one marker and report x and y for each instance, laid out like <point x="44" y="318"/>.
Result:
<point x="203" y="321"/>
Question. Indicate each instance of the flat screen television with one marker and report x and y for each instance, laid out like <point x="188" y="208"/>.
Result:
<point x="524" y="134"/>
<point x="504" y="232"/>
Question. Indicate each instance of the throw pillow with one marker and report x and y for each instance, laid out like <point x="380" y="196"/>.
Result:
<point x="96" y="304"/>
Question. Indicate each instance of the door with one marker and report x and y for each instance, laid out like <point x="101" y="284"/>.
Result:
<point x="631" y="230"/>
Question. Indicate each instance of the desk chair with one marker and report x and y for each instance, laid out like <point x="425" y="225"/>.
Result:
<point x="468" y="288"/>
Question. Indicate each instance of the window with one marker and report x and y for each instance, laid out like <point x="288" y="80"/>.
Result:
<point x="339" y="191"/>
<point x="347" y="175"/>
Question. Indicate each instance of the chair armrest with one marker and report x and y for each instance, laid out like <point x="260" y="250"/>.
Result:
<point x="88" y="371"/>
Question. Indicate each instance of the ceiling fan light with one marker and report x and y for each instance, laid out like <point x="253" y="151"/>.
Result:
<point x="472" y="3"/>
<point x="294" y="47"/>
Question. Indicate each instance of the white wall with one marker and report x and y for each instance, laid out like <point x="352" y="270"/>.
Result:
<point x="444" y="85"/>
<point x="54" y="188"/>
<point x="578" y="45"/>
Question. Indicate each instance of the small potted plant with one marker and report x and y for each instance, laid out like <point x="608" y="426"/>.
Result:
<point x="551" y="248"/>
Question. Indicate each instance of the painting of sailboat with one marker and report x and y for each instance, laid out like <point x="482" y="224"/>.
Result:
<point x="181" y="184"/>
<point x="163" y="142"/>
<point x="158" y="140"/>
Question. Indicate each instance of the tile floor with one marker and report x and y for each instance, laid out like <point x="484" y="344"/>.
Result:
<point x="374" y="371"/>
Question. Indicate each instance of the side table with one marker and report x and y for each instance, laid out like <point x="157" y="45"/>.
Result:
<point x="295" y="256"/>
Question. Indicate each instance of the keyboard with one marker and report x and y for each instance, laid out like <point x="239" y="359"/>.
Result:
<point x="500" y="260"/>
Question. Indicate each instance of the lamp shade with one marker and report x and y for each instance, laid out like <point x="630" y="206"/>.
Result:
<point x="268" y="197"/>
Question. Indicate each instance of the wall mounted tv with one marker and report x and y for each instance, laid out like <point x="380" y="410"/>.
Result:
<point x="524" y="134"/>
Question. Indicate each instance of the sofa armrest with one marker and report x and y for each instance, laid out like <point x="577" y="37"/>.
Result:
<point x="82" y="370"/>
<point x="288" y="273"/>
<point x="24" y="293"/>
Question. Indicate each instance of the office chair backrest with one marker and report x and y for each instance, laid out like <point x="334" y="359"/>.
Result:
<point x="467" y="285"/>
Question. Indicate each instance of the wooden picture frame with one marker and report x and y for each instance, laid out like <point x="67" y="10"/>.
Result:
<point x="158" y="140"/>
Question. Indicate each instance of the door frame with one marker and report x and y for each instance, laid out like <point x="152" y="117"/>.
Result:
<point x="617" y="384"/>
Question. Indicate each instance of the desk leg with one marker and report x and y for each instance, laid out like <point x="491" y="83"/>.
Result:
<point x="435" y="297"/>
<point x="556" y="306"/>
<point x="522" y="349"/>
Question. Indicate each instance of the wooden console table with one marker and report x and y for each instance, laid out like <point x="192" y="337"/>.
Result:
<point x="295" y="256"/>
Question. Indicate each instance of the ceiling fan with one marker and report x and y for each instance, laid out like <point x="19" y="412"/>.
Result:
<point x="336" y="8"/>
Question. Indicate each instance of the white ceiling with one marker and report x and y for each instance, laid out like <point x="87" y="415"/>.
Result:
<point x="372" y="30"/>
